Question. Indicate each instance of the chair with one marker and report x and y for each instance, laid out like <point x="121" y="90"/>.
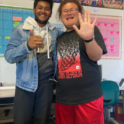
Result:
<point x="110" y="97"/>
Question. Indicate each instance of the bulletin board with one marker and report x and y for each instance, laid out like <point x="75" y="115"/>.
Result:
<point x="111" y="30"/>
<point x="10" y="17"/>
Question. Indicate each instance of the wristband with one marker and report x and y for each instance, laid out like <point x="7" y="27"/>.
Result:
<point x="89" y="40"/>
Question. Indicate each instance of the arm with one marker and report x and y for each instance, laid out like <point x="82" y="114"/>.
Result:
<point x="99" y="41"/>
<point x="86" y="32"/>
<point x="16" y="50"/>
<point x="93" y="50"/>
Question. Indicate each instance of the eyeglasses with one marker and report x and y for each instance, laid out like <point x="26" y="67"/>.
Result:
<point x="72" y="10"/>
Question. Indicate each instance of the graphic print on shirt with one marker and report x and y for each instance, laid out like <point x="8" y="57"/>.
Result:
<point x="68" y="55"/>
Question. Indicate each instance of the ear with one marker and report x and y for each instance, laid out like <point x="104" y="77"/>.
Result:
<point x="34" y="11"/>
<point x="51" y="14"/>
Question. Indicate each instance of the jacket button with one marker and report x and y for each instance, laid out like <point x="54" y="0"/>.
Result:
<point x="35" y="66"/>
<point x="32" y="88"/>
<point x="34" y="77"/>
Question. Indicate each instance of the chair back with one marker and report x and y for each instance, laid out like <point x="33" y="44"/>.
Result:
<point x="110" y="93"/>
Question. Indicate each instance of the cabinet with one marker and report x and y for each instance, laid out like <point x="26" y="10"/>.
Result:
<point x="6" y="114"/>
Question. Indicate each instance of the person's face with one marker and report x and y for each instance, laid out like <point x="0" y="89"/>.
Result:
<point x="42" y="13"/>
<point x="69" y="15"/>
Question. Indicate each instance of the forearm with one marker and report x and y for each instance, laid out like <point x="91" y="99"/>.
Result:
<point x="93" y="50"/>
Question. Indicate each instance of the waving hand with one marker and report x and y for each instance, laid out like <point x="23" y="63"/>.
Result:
<point x="86" y="30"/>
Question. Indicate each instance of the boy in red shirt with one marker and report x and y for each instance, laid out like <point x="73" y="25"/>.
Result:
<point x="79" y="93"/>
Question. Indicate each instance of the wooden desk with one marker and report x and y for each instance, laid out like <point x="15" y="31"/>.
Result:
<point x="121" y="88"/>
<point x="6" y="92"/>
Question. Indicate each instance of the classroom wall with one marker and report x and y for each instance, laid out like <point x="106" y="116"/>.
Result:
<point x="112" y="69"/>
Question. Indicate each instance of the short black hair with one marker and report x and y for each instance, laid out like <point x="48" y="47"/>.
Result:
<point x="49" y="1"/>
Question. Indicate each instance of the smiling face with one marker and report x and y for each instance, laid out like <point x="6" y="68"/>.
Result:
<point x="70" y="17"/>
<point x="42" y="13"/>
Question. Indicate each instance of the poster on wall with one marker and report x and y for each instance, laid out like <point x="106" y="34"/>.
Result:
<point x="114" y="4"/>
<point x="111" y="30"/>
<point x="95" y="3"/>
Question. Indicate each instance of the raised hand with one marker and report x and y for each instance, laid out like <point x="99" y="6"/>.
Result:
<point x="86" y="30"/>
<point x="34" y="41"/>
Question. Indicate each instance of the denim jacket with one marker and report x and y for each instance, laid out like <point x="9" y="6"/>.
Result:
<point x="26" y="60"/>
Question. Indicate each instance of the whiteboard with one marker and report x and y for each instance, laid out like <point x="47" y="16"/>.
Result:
<point x="112" y="69"/>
